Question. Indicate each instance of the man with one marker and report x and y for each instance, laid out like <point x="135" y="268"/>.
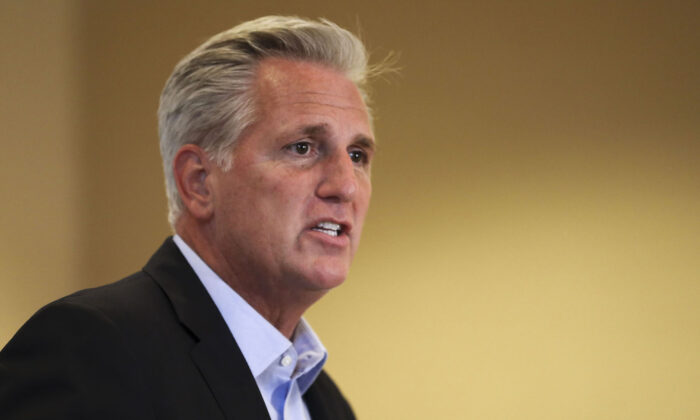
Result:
<point x="267" y="144"/>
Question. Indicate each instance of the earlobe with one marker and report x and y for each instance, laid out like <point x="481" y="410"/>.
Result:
<point x="191" y="168"/>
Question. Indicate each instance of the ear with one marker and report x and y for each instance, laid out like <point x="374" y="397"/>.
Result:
<point x="192" y="170"/>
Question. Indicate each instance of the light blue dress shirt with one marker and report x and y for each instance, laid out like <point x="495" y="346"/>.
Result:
<point x="283" y="369"/>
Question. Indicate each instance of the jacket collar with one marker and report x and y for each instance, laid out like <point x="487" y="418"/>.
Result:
<point x="216" y="353"/>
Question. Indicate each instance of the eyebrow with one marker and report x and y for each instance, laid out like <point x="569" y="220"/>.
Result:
<point x="322" y="129"/>
<point x="315" y="130"/>
<point x="365" y="142"/>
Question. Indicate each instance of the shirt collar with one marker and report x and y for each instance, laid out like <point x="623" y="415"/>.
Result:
<point x="260" y="342"/>
<point x="311" y="355"/>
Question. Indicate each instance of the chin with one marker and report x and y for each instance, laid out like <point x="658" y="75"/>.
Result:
<point x="327" y="276"/>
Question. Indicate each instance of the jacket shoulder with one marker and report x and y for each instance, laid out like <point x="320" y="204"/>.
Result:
<point x="61" y="357"/>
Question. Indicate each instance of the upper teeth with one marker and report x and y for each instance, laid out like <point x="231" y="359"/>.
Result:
<point x="329" y="228"/>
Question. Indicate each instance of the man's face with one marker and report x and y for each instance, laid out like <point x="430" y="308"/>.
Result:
<point x="289" y="213"/>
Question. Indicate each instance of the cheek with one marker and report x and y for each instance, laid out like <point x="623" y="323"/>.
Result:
<point x="364" y="196"/>
<point x="292" y="188"/>
<point x="362" y="206"/>
<point x="282" y="195"/>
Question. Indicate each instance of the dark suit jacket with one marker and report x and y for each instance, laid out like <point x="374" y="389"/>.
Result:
<point x="151" y="346"/>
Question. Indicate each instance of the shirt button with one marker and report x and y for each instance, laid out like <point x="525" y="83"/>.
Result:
<point x="286" y="360"/>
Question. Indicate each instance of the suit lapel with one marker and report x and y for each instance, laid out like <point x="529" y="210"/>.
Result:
<point x="216" y="353"/>
<point x="325" y="402"/>
<point x="313" y="398"/>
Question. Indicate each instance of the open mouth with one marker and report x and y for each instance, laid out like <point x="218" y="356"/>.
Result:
<point x="328" y="228"/>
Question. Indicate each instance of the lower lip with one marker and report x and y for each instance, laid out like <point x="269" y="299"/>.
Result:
<point x="339" y="241"/>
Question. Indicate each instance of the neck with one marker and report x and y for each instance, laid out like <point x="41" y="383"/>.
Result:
<point x="281" y="307"/>
<point x="282" y="314"/>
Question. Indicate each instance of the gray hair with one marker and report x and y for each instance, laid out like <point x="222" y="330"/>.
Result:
<point x="208" y="99"/>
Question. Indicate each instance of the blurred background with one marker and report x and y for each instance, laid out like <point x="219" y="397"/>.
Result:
<point x="533" y="246"/>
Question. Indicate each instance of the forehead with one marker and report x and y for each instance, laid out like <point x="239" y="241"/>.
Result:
<point x="285" y="82"/>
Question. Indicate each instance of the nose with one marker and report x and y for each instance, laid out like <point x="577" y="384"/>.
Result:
<point x="338" y="179"/>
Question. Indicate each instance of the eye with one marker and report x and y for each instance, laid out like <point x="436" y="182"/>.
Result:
<point x="300" y="148"/>
<point x="358" y="156"/>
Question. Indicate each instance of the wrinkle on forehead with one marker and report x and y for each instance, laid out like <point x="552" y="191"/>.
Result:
<point x="285" y="82"/>
<point x="329" y="104"/>
<point x="271" y="70"/>
<point x="311" y="92"/>
<point x="307" y="88"/>
<point x="273" y="75"/>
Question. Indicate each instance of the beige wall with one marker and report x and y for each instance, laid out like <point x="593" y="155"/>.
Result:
<point x="532" y="247"/>
<point x="39" y="104"/>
